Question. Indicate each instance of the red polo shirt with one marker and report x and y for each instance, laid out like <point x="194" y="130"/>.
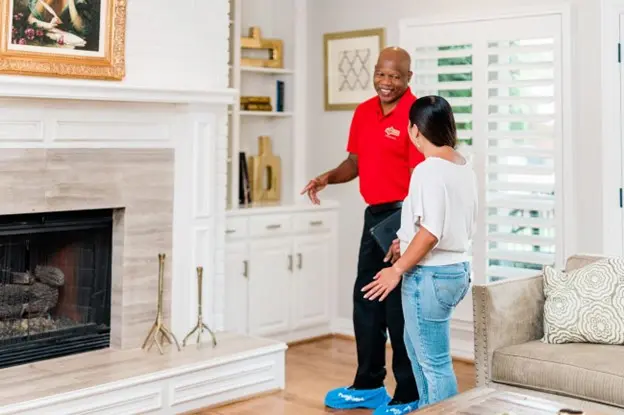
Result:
<point x="384" y="149"/>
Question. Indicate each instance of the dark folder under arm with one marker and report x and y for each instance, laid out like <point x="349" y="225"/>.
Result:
<point x="386" y="231"/>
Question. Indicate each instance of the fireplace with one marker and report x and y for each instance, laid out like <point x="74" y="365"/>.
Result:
<point x="55" y="284"/>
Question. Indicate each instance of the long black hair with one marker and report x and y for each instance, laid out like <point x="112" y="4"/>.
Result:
<point x="434" y="118"/>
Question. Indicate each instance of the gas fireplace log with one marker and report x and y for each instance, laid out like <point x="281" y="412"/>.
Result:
<point x="44" y="299"/>
<point x="10" y="311"/>
<point x="50" y="275"/>
<point x="14" y="294"/>
<point x="19" y="300"/>
<point x="22" y="278"/>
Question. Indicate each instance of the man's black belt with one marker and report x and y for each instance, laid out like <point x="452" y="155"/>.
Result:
<point x="385" y="207"/>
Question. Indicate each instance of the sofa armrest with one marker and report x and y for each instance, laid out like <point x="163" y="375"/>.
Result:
<point x="506" y="313"/>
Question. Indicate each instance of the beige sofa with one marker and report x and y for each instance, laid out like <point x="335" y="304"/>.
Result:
<point x="509" y="354"/>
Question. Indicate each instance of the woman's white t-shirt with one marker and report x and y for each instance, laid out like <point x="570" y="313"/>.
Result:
<point x="442" y="198"/>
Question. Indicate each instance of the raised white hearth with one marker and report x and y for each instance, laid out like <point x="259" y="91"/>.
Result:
<point x="133" y="382"/>
<point x="158" y="158"/>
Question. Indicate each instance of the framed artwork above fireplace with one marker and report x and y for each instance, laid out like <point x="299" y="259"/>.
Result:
<point x="63" y="38"/>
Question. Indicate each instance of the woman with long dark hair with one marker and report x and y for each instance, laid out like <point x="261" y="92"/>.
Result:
<point x="437" y="224"/>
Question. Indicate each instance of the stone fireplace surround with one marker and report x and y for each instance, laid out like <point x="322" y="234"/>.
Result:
<point x="138" y="183"/>
<point x="158" y="158"/>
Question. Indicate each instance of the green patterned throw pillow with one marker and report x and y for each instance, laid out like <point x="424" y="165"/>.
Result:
<point x="585" y="305"/>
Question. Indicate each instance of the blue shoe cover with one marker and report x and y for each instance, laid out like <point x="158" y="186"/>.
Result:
<point x="396" y="409"/>
<point x="349" y="398"/>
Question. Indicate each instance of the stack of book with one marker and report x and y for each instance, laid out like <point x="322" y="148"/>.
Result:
<point x="256" y="104"/>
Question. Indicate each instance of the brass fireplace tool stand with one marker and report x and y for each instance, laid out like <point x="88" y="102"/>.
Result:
<point x="159" y="326"/>
<point x="200" y="326"/>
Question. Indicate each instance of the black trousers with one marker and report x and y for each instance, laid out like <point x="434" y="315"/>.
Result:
<point x="372" y="319"/>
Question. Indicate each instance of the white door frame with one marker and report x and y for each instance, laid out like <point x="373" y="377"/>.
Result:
<point x="612" y="223"/>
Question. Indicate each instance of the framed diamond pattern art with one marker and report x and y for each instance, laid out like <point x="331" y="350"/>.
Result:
<point x="350" y="59"/>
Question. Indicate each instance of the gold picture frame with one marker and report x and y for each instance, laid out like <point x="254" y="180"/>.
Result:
<point x="349" y="59"/>
<point x="37" y="40"/>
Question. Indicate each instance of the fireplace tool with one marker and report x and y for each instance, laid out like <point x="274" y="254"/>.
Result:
<point x="200" y="326"/>
<point x="159" y="325"/>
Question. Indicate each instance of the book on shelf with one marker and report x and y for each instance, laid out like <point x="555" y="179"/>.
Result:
<point x="256" y="104"/>
<point x="244" y="187"/>
<point x="280" y="96"/>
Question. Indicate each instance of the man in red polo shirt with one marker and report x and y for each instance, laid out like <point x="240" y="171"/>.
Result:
<point x="381" y="154"/>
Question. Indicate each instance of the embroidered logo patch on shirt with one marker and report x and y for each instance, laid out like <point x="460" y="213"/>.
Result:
<point x="392" y="133"/>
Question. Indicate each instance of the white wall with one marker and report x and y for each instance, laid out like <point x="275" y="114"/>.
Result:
<point x="176" y="45"/>
<point x="181" y="49"/>
<point x="328" y="130"/>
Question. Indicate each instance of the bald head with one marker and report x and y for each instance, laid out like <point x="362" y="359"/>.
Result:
<point x="397" y="55"/>
<point x="392" y="74"/>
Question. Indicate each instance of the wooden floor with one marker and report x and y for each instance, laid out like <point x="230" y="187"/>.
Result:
<point x="311" y="370"/>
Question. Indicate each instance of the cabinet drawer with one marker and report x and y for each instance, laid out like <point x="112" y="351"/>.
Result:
<point x="236" y="228"/>
<point x="313" y="222"/>
<point x="270" y="225"/>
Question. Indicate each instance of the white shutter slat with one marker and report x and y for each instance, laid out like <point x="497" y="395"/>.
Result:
<point x="524" y="170"/>
<point x="429" y="54"/>
<point x="445" y="70"/>
<point x="520" y="152"/>
<point x="511" y="272"/>
<point x="519" y="221"/>
<point x="521" y="100"/>
<point x="538" y="258"/>
<point x="459" y="102"/>
<point x="514" y="202"/>
<point x="521" y="84"/>
<point x="526" y="135"/>
<point x="463" y="117"/>
<point x="526" y="66"/>
<point x="520" y="239"/>
<point x="535" y="118"/>
<point x="514" y="50"/>
<point x="522" y="187"/>
<point x="443" y="86"/>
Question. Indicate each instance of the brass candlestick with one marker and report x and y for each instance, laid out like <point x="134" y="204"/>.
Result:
<point x="200" y="326"/>
<point x="159" y="326"/>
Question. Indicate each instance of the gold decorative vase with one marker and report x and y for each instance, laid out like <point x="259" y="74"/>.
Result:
<point x="159" y="326"/>
<point x="265" y="173"/>
<point x="200" y="326"/>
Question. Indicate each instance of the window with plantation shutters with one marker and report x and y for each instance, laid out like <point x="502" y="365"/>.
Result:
<point x="503" y="80"/>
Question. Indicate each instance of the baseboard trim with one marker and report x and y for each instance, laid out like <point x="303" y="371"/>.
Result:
<point x="462" y="343"/>
<point x="309" y="339"/>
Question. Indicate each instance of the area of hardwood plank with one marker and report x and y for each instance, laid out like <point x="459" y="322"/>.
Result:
<point x="311" y="370"/>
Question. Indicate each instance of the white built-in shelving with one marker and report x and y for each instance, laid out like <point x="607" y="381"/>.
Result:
<point x="286" y="128"/>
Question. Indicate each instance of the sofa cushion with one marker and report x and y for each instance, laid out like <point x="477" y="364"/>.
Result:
<point x="585" y="371"/>
<point x="585" y="305"/>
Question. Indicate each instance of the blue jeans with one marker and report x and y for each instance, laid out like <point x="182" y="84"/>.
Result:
<point x="429" y="296"/>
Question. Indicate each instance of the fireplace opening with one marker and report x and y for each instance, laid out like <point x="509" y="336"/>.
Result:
<point x="55" y="284"/>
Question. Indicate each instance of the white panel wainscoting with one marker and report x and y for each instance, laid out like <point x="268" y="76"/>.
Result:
<point x="134" y="382"/>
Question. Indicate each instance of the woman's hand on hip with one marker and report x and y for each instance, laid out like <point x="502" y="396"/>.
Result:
<point x="384" y="282"/>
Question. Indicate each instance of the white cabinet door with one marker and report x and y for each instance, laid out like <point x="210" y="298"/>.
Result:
<point x="271" y="268"/>
<point x="311" y="295"/>
<point x="236" y="287"/>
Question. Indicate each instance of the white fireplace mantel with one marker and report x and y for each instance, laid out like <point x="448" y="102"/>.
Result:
<point x="65" y="115"/>
<point x="101" y="115"/>
<point x="70" y="89"/>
